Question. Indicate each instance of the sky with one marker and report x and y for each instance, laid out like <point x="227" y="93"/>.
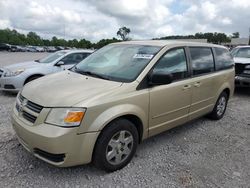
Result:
<point x="98" y="19"/>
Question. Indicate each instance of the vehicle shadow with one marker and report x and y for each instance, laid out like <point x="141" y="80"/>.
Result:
<point x="242" y="91"/>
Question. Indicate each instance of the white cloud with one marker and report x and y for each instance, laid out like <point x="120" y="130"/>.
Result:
<point x="209" y="10"/>
<point x="97" y="19"/>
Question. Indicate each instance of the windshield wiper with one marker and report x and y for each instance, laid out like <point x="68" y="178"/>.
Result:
<point x="88" y="73"/>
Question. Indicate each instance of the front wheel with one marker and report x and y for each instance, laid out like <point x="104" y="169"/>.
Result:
<point x="116" y="145"/>
<point x="220" y="107"/>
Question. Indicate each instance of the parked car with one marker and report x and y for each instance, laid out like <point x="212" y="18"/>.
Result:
<point x="16" y="48"/>
<point x="241" y="56"/>
<point x="101" y="109"/>
<point x="14" y="77"/>
<point x="5" y="47"/>
<point x="51" y="49"/>
<point x="39" y="49"/>
<point x="59" y="47"/>
<point x="30" y="49"/>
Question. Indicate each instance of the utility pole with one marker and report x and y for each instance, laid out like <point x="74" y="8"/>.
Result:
<point x="64" y="30"/>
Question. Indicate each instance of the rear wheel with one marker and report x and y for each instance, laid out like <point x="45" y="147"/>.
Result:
<point x="116" y="145"/>
<point x="220" y="107"/>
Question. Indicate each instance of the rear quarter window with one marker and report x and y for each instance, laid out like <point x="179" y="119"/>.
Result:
<point x="223" y="59"/>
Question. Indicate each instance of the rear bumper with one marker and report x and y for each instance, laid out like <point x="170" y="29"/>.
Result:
<point x="241" y="81"/>
<point x="58" y="146"/>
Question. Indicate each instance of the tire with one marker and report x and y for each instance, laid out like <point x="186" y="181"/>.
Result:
<point x="220" y="107"/>
<point x="116" y="145"/>
<point x="31" y="79"/>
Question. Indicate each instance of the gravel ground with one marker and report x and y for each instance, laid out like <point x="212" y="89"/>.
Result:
<point x="202" y="153"/>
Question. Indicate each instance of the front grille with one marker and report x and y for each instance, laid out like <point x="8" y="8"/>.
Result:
<point x="23" y="104"/>
<point x="29" y="117"/>
<point x="50" y="156"/>
<point x="34" y="107"/>
<point x="239" y="68"/>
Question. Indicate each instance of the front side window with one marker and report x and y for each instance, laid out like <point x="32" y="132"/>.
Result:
<point x="173" y="62"/>
<point x="202" y="60"/>
<point x="74" y="58"/>
<point x="52" y="57"/>
<point x="118" y="62"/>
<point x="223" y="59"/>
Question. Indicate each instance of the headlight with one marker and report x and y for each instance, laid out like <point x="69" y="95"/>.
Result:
<point x="65" y="117"/>
<point x="13" y="73"/>
<point x="247" y="67"/>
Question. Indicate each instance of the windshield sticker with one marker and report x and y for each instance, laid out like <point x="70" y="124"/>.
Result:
<point x="143" y="56"/>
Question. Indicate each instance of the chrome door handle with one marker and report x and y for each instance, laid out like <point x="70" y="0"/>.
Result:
<point x="197" y="84"/>
<point x="185" y="87"/>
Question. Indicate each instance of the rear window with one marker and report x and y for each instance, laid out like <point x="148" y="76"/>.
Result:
<point x="202" y="60"/>
<point x="223" y="59"/>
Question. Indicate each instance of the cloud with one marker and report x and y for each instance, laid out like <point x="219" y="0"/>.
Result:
<point x="95" y="19"/>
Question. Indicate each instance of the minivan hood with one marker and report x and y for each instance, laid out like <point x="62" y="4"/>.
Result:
<point x="24" y="65"/>
<point x="242" y="60"/>
<point x="66" y="88"/>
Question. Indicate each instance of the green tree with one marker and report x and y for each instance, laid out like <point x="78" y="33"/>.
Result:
<point x="236" y="35"/>
<point x="123" y="32"/>
<point x="83" y="43"/>
<point x="105" y="42"/>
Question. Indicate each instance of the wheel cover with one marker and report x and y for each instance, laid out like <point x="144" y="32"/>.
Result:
<point x="221" y="106"/>
<point x="119" y="147"/>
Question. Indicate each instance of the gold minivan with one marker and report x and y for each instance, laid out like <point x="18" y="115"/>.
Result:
<point x="106" y="105"/>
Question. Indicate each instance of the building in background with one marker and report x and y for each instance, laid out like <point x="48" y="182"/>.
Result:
<point x="237" y="42"/>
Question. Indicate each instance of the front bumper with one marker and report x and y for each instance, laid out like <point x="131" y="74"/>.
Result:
<point x="58" y="146"/>
<point x="11" y="83"/>
<point x="242" y="81"/>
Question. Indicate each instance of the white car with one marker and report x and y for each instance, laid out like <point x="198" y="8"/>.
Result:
<point x="14" y="77"/>
<point x="241" y="56"/>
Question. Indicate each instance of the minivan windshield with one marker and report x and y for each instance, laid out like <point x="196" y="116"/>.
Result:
<point x="51" y="57"/>
<point x="118" y="62"/>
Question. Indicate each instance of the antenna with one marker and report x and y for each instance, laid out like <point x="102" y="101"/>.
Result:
<point x="249" y="37"/>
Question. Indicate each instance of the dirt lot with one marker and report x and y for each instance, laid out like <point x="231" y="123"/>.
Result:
<point x="202" y="153"/>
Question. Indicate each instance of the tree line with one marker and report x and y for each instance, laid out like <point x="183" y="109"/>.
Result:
<point x="15" y="38"/>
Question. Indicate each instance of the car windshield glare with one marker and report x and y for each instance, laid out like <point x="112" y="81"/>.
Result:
<point x="51" y="57"/>
<point x="118" y="62"/>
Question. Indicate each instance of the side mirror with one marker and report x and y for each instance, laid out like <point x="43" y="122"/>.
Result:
<point x="60" y="63"/>
<point x="160" y="78"/>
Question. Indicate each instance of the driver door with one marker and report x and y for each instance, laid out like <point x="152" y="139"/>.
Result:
<point x="170" y="104"/>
